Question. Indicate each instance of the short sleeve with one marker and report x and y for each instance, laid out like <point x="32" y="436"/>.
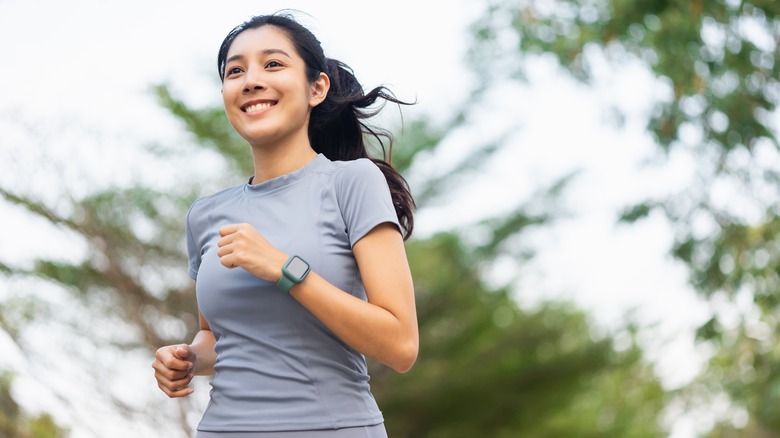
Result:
<point x="364" y="198"/>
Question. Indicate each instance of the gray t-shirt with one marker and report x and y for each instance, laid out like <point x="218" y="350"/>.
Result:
<point x="278" y="367"/>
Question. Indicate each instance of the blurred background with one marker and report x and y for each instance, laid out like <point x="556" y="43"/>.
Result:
<point x="597" y="250"/>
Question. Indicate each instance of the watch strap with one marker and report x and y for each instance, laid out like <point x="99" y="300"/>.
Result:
<point x="285" y="283"/>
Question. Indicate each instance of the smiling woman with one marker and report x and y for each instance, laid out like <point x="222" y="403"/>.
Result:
<point x="302" y="271"/>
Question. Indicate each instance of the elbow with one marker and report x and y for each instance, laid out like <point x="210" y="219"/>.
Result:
<point x="404" y="366"/>
<point x="405" y="358"/>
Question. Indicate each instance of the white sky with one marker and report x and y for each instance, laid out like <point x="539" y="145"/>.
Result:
<point x="90" y="64"/>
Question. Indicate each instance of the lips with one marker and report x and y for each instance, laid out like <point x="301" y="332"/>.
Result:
<point x="255" y="106"/>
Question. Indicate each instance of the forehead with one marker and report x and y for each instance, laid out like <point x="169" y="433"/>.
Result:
<point x="261" y="39"/>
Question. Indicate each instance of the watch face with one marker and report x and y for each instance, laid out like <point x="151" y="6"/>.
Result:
<point x="297" y="267"/>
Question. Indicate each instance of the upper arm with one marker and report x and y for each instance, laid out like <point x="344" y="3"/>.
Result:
<point x="381" y="258"/>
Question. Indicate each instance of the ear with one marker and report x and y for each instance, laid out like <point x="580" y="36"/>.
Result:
<point x="319" y="90"/>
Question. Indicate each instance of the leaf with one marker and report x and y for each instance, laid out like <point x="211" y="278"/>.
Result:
<point x="636" y="212"/>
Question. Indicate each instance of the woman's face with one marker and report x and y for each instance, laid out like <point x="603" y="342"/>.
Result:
<point x="266" y="94"/>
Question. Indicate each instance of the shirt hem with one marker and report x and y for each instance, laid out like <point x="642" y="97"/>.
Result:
<point x="291" y="427"/>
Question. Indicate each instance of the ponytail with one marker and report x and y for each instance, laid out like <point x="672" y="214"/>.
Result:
<point x="337" y="127"/>
<point x="337" y="130"/>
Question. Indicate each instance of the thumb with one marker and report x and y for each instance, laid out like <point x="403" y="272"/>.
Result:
<point x="183" y="352"/>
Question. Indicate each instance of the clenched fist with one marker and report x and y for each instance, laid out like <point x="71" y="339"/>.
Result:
<point x="242" y="246"/>
<point x="173" y="368"/>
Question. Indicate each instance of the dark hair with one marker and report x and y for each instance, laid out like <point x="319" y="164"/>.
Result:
<point x="336" y="126"/>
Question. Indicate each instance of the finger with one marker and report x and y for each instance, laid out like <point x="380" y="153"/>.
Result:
<point x="174" y="363"/>
<point x="161" y="371"/>
<point x="178" y="392"/>
<point x="226" y="230"/>
<point x="228" y="261"/>
<point x="175" y="376"/>
<point x="173" y="380"/>
<point x="227" y="239"/>
<point x="176" y="383"/>
<point x="224" y="250"/>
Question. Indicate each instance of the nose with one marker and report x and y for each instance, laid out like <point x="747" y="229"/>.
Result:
<point x="253" y="81"/>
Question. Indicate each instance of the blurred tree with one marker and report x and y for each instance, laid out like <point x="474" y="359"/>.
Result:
<point x="719" y="61"/>
<point x="14" y="424"/>
<point x="128" y="281"/>
<point x="486" y="366"/>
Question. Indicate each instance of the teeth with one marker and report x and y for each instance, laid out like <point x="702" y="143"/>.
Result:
<point x="257" y="107"/>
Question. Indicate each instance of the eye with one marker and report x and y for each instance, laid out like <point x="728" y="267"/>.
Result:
<point x="273" y="64"/>
<point x="233" y="71"/>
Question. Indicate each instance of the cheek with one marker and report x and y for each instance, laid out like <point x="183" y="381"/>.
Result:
<point x="226" y="95"/>
<point x="232" y="90"/>
<point x="229" y="102"/>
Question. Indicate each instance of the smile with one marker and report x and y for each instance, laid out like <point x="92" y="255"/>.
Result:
<point x="257" y="106"/>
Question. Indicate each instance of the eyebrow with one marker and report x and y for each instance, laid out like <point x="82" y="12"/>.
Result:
<point x="265" y="52"/>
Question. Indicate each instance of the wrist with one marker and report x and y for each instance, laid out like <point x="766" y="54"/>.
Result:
<point x="279" y="268"/>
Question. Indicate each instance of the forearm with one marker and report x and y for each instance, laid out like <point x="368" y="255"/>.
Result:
<point x="368" y="328"/>
<point x="384" y="327"/>
<point x="203" y="347"/>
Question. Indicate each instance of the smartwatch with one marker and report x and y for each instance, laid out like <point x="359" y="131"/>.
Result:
<point x="293" y="272"/>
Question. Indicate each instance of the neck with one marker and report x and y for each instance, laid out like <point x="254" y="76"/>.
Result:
<point x="272" y="161"/>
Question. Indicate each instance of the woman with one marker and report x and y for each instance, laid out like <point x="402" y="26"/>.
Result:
<point x="301" y="272"/>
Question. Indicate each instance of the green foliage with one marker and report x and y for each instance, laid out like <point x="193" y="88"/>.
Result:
<point x="17" y="312"/>
<point x="636" y="212"/>
<point x="14" y="424"/>
<point x="418" y="136"/>
<point x="210" y="129"/>
<point x="720" y="61"/>
<point x="716" y="67"/>
<point x="488" y="368"/>
<point x="132" y="234"/>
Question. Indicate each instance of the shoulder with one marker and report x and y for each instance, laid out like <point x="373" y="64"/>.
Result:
<point x="362" y="171"/>
<point x="359" y="165"/>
